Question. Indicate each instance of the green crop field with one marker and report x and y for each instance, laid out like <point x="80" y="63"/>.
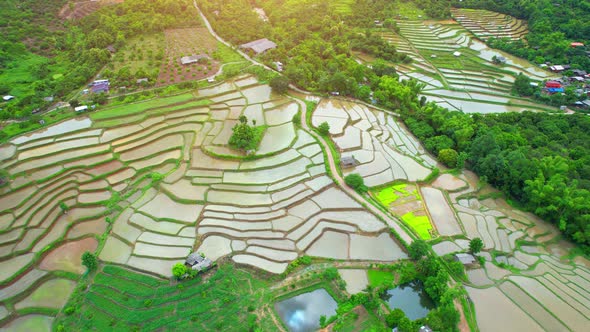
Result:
<point x="395" y="197"/>
<point x="122" y="300"/>
<point x="420" y="224"/>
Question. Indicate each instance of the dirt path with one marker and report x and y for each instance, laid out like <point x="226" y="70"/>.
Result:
<point x="391" y="222"/>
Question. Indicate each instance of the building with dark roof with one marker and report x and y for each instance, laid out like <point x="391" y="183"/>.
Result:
<point x="197" y="262"/>
<point x="464" y="258"/>
<point x="348" y="161"/>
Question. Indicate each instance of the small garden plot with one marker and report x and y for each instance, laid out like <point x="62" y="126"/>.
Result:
<point x="405" y="201"/>
<point x="190" y="42"/>
<point x="142" y="57"/>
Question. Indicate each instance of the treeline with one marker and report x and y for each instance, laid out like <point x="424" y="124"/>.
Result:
<point x="553" y="25"/>
<point x="314" y="42"/>
<point x="77" y="50"/>
<point x="540" y="160"/>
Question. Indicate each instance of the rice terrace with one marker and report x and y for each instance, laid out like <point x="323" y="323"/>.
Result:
<point x="183" y="182"/>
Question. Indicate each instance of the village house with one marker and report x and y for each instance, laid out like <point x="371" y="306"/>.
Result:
<point x="100" y="86"/>
<point x="198" y="262"/>
<point x="348" y="161"/>
<point x="259" y="46"/>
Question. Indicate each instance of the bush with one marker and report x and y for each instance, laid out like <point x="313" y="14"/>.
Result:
<point x="448" y="157"/>
<point x="89" y="260"/>
<point x="475" y="245"/>
<point x="356" y="182"/>
<point x="179" y="270"/>
<point x="324" y="129"/>
<point x="279" y="84"/>
<point x="418" y="249"/>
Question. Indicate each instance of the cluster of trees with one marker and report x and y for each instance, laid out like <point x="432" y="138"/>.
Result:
<point x="434" y="277"/>
<point x="245" y="137"/>
<point x="552" y="27"/>
<point x="540" y="160"/>
<point x="75" y="50"/>
<point x="314" y="42"/>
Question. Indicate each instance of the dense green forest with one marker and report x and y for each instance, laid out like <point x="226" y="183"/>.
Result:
<point x="42" y="56"/>
<point x="553" y="26"/>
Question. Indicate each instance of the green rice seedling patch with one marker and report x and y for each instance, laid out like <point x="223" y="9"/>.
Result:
<point x="420" y="224"/>
<point x="409" y="10"/>
<point x="343" y="6"/>
<point x="379" y="278"/>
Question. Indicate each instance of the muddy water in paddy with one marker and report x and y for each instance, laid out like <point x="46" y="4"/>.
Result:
<point x="68" y="257"/>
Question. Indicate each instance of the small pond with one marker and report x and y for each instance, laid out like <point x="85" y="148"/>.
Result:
<point x="411" y="299"/>
<point x="302" y="313"/>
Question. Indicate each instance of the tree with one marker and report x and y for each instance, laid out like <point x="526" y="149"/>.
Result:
<point x="418" y="249"/>
<point x="74" y="103"/>
<point x="63" y="206"/>
<point x="179" y="270"/>
<point x="475" y="245"/>
<point x="89" y="260"/>
<point x="242" y="136"/>
<point x="324" y="128"/>
<point x="394" y="317"/>
<point x="356" y="182"/>
<point x="279" y="84"/>
<point x="522" y="85"/>
<point x="448" y="157"/>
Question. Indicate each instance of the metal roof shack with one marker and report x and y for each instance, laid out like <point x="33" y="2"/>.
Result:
<point x="185" y="60"/>
<point x="348" y="161"/>
<point x="465" y="259"/>
<point x="197" y="262"/>
<point x="259" y="46"/>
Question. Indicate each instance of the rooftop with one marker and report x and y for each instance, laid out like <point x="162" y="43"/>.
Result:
<point x="260" y="45"/>
<point x="185" y="60"/>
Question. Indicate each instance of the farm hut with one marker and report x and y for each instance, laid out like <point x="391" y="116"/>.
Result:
<point x="465" y="259"/>
<point x="197" y="262"/>
<point x="185" y="60"/>
<point x="555" y="90"/>
<point x="211" y="80"/>
<point x="142" y="80"/>
<point x="348" y="161"/>
<point x="111" y="49"/>
<point x="586" y="103"/>
<point x="259" y="46"/>
<point x="81" y="108"/>
<point x="501" y="59"/>
<point x="457" y="53"/>
<point x="535" y="84"/>
<point x="557" y="68"/>
<point x="577" y="44"/>
<point x="8" y="97"/>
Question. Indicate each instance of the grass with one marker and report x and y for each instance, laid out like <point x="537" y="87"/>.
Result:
<point x="409" y="10"/>
<point x="122" y="300"/>
<point x="131" y="109"/>
<point x="226" y="54"/>
<point x="343" y="6"/>
<point x="379" y="278"/>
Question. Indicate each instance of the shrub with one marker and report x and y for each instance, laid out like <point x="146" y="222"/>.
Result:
<point x="356" y="182"/>
<point x="418" y="249"/>
<point x="448" y="157"/>
<point x="279" y="84"/>
<point x="178" y="270"/>
<point x="89" y="260"/>
<point x="475" y="245"/>
<point x="324" y="128"/>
